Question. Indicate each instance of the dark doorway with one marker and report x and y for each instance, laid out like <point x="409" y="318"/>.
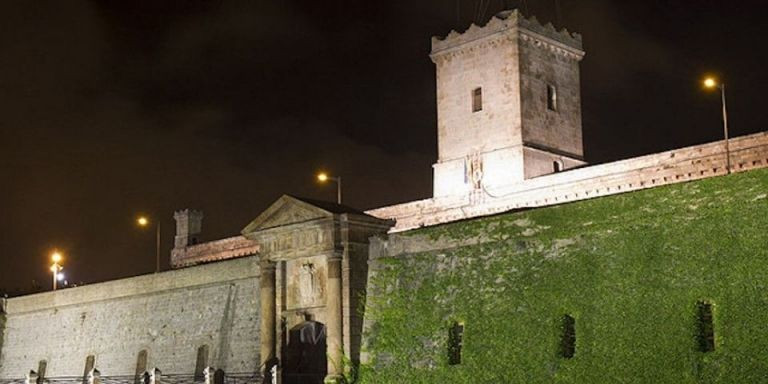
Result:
<point x="304" y="360"/>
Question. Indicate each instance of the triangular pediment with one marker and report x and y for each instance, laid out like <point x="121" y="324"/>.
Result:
<point x="287" y="210"/>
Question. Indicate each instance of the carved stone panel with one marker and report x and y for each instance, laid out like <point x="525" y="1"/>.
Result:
<point x="305" y="282"/>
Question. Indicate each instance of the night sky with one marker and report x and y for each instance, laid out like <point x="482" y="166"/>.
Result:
<point x="109" y="109"/>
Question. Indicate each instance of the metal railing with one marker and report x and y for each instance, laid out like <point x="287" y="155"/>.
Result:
<point x="228" y="378"/>
<point x="12" y="381"/>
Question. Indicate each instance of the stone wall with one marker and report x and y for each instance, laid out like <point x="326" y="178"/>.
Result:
<point x="675" y="166"/>
<point x="169" y="315"/>
<point x="542" y="64"/>
<point x="630" y="270"/>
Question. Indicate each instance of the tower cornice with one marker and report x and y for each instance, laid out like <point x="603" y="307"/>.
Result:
<point x="506" y="21"/>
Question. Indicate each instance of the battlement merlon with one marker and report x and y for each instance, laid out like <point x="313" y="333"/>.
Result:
<point x="507" y="21"/>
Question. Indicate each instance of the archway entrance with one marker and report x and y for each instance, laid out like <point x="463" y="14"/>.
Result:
<point x="304" y="360"/>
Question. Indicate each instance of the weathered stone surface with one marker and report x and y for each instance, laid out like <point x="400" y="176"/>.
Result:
<point x="231" y="247"/>
<point x="510" y="63"/>
<point x="675" y="166"/>
<point x="189" y="225"/>
<point x="313" y="257"/>
<point x="319" y="254"/>
<point x="170" y="315"/>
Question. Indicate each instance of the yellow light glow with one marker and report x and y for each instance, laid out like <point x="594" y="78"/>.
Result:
<point x="322" y="177"/>
<point x="56" y="257"/>
<point x="143" y="221"/>
<point x="710" y="82"/>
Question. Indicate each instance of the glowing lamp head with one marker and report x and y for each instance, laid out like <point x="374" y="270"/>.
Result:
<point x="56" y="257"/>
<point x="142" y="221"/>
<point x="710" y="82"/>
<point x="322" y="177"/>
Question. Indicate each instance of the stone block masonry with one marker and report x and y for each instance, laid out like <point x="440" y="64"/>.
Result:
<point x="670" y="167"/>
<point x="169" y="315"/>
<point x="508" y="104"/>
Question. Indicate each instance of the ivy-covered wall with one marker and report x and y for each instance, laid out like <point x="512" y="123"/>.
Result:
<point x="629" y="269"/>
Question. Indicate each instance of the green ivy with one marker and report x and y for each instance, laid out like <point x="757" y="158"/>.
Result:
<point x="629" y="268"/>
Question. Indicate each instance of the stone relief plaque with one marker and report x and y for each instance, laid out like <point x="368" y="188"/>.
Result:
<point x="305" y="282"/>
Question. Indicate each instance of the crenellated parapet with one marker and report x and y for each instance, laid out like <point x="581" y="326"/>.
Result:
<point x="503" y="26"/>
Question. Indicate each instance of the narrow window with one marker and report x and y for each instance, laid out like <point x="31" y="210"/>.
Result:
<point x="706" y="335"/>
<point x="557" y="166"/>
<point x="455" y="336"/>
<point x="202" y="362"/>
<point x="551" y="97"/>
<point x="42" y="365"/>
<point x="568" y="342"/>
<point x="141" y="366"/>
<point x="90" y="362"/>
<point x="477" y="99"/>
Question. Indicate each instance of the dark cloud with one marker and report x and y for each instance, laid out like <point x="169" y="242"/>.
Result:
<point x="110" y="108"/>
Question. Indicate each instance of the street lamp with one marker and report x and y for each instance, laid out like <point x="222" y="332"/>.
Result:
<point x="143" y="221"/>
<point x="56" y="268"/>
<point x="323" y="177"/>
<point x="712" y="83"/>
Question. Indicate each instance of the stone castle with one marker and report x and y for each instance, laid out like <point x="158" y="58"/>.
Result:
<point x="281" y="302"/>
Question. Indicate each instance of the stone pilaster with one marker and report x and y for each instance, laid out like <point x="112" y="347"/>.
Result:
<point x="268" y="304"/>
<point x="334" y="325"/>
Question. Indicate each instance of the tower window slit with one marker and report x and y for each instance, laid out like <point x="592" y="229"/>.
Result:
<point x="551" y="97"/>
<point x="477" y="99"/>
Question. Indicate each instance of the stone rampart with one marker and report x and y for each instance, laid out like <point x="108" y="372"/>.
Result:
<point x="675" y="166"/>
<point x="169" y="315"/>
<point x="632" y="270"/>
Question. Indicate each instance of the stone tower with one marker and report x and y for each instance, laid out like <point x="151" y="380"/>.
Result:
<point x="189" y="224"/>
<point x="508" y="104"/>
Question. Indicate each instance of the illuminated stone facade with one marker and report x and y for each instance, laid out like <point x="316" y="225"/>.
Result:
<point x="519" y="145"/>
<point x="508" y="104"/>
<point x="284" y="298"/>
<point x="168" y="315"/>
<point x="670" y="167"/>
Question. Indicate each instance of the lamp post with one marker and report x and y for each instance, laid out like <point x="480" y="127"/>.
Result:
<point x="143" y="221"/>
<point x="323" y="177"/>
<point x="56" y="268"/>
<point x="711" y="83"/>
